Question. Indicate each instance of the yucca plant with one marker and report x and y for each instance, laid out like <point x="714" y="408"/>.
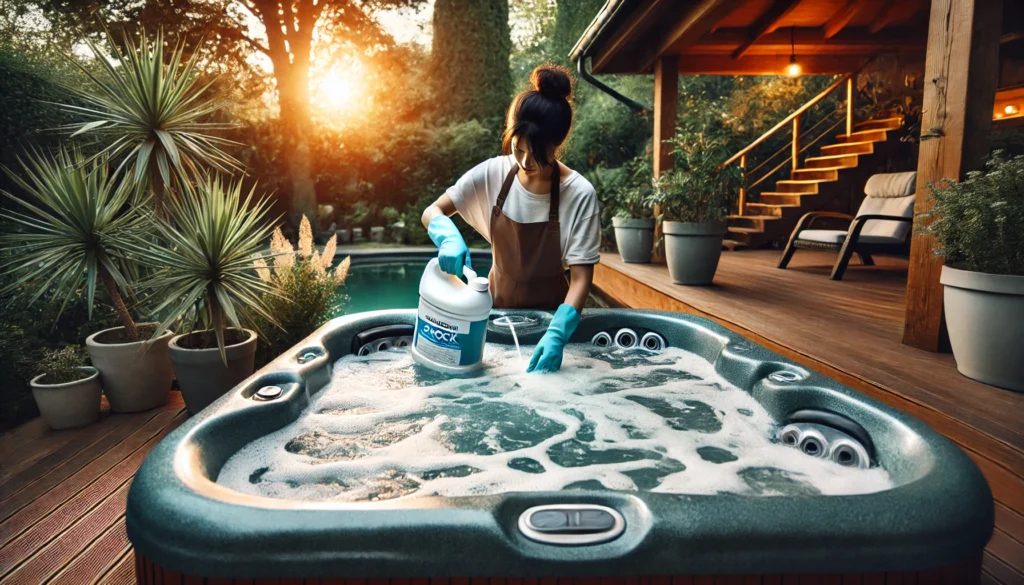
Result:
<point x="151" y="114"/>
<point x="74" y="230"/>
<point x="202" y="259"/>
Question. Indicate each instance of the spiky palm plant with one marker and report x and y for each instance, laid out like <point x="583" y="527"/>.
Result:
<point x="75" y="230"/>
<point x="203" y="260"/>
<point x="151" y="114"/>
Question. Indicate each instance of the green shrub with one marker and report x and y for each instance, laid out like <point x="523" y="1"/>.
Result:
<point x="979" y="222"/>
<point x="18" y="351"/>
<point x="695" y="189"/>
<point x="60" y="366"/>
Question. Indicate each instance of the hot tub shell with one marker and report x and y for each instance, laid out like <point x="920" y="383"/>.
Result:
<point x="933" y="523"/>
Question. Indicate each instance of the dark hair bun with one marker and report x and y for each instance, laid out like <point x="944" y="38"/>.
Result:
<point x="552" y="81"/>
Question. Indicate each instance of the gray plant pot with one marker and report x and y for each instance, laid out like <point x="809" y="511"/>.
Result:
<point x="634" y="237"/>
<point x="377" y="234"/>
<point x="357" y="235"/>
<point x="985" y="319"/>
<point x="692" y="251"/>
<point x="70" y="405"/>
<point x="135" y="376"/>
<point x="344" y="236"/>
<point x="201" y="373"/>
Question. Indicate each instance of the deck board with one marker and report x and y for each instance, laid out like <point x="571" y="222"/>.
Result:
<point x="851" y="330"/>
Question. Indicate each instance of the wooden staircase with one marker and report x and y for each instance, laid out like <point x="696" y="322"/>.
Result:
<point x="775" y="214"/>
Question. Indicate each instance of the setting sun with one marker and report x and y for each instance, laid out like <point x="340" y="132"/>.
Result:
<point x="338" y="87"/>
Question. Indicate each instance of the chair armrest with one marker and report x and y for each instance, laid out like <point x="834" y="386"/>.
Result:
<point x="853" y="234"/>
<point x="808" y="218"/>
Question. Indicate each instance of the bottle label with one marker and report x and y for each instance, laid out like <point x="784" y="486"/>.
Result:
<point x="448" y="341"/>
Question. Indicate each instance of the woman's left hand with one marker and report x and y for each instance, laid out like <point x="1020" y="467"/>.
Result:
<point x="548" y="355"/>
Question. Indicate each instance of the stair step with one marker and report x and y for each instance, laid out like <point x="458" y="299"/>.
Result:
<point x="863" y="136"/>
<point x="733" y="245"/>
<point x="838" y="161"/>
<point x="750" y="221"/>
<point x="744" y="230"/>
<point x="880" y="124"/>
<point x="780" y="199"/>
<point x="848" y="148"/>
<point x="797" y="186"/>
<point x="772" y="209"/>
<point x="819" y="174"/>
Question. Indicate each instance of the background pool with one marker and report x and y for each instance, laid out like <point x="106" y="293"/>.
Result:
<point x="389" y="285"/>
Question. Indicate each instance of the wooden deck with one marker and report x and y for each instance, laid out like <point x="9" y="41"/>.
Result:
<point x="851" y="331"/>
<point x="63" y="494"/>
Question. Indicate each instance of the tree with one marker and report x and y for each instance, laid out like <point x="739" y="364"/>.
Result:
<point x="471" y="49"/>
<point x="292" y="33"/>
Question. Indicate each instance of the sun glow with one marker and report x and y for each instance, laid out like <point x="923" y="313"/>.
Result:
<point x="339" y="88"/>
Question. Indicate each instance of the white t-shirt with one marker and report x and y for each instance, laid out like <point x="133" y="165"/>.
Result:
<point x="476" y="193"/>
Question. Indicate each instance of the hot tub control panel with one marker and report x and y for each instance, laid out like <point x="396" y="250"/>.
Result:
<point x="571" y="524"/>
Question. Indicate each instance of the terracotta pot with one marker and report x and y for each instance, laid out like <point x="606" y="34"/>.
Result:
<point x="135" y="376"/>
<point x="69" y="405"/>
<point x="984" y="316"/>
<point x="202" y="375"/>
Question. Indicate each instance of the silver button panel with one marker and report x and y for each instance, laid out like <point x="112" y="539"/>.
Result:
<point x="571" y="524"/>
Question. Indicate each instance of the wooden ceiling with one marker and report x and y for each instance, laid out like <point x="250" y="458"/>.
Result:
<point x="755" y="36"/>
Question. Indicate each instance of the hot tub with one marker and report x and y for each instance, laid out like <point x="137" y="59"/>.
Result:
<point x="930" y="521"/>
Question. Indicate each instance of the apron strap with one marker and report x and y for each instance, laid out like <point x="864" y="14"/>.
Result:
<point x="506" y="186"/>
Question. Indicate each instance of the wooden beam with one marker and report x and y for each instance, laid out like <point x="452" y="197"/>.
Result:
<point x="961" y="65"/>
<point x="693" y="25"/>
<point x="768" y="64"/>
<point x="842" y="17"/>
<point x="813" y="41"/>
<point x="766" y="23"/>
<point x="666" y="100"/>
<point x="638" y="21"/>
<point x="895" y="10"/>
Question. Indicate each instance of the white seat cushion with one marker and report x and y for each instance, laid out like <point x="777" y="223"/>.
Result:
<point x="839" y="236"/>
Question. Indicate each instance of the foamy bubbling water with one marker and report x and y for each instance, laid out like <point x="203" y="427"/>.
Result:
<point x="610" y="419"/>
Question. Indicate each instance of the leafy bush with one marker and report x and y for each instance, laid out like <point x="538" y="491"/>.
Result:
<point x="695" y="189"/>
<point x="979" y="222"/>
<point x="307" y="290"/>
<point x="60" y="366"/>
<point x="18" y="351"/>
<point x="608" y="185"/>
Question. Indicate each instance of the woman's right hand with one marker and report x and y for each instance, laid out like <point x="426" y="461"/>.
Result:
<point x="452" y="252"/>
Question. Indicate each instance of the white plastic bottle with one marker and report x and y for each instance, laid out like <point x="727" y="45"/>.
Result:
<point x="451" y="324"/>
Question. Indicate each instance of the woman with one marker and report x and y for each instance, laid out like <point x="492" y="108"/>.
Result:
<point x="540" y="216"/>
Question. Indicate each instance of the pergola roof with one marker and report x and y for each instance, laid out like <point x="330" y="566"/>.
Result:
<point x="751" y="36"/>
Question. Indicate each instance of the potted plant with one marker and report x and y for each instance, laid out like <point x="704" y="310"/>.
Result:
<point x="74" y="234"/>
<point x="204" y="274"/>
<point x="979" y="226"/>
<point x="634" y="219"/>
<point x="695" y="196"/>
<point x="67" y="391"/>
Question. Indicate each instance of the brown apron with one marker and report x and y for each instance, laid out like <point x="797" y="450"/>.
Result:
<point x="527" y="272"/>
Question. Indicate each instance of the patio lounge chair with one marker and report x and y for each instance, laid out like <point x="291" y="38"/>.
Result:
<point x="881" y="226"/>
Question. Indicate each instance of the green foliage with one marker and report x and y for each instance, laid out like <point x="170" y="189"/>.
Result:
<point x="151" y="112"/>
<point x="18" y="351"/>
<point x="608" y="186"/>
<point x="695" y="189"/>
<point x="471" y="51"/>
<point x="202" y="260"/>
<point x="979" y="222"/>
<point x="60" y="366"/>
<point x="75" y="228"/>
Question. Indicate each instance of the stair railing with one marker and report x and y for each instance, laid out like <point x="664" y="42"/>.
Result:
<point x="795" y="146"/>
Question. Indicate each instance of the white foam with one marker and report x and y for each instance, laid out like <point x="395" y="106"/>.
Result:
<point x="384" y="422"/>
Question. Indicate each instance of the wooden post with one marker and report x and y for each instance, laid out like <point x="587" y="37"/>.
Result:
<point x="743" y="191"/>
<point x="850" y="85"/>
<point x="666" y="98"/>
<point x="795" y="155"/>
<point x="961" y="72"/>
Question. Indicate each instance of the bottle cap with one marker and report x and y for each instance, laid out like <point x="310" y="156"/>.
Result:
<point x="479" y="284"/>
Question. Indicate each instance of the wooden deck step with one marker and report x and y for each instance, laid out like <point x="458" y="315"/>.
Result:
<point x="837" y="161"/>
<point x="848" y="148"/>
<point x="880" y="124"/>
<point x="744" y="230"/>
<point x="732" y="245"/>
<point x="774" y="198"/>
<point x="751" y="221"/>
<point x="819" y="174"/>
<point x="863" y="136"/>
<point x="797" y="186"/>
<point x="774" y="210"/>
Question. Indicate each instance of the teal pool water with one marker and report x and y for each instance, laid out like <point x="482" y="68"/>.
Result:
<point x="389" y="285"/>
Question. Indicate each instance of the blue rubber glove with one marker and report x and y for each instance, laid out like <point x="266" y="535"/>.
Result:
<point x="548" y="355"/>
<point x="452" y="253"/>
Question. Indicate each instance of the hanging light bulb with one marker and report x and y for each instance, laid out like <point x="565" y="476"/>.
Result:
<point x="1011" y="110"/>
<point x="793" y="69"/>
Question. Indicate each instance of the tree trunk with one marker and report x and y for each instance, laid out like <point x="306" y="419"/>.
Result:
<point x="123" y="314"/>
